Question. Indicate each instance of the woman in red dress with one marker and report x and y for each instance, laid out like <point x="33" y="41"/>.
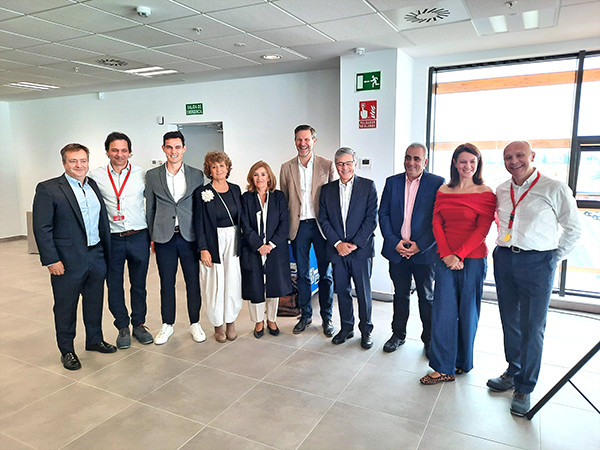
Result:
<point x="462" y="216"/>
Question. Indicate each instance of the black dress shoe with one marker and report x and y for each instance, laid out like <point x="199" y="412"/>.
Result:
<point x="301" y="325"/>
<point x="273" y="331"/>
<point x="102" y="347"/>
<point x="328" y="329"/>
<point x="366" y="341"/>
<point x="392" y="344"/>
<point x="70" y="361"/>
<point x="259" y="334"/>
<point x="342" y="337"/>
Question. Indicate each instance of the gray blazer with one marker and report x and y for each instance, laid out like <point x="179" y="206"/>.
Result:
<point x="161" y="208"/>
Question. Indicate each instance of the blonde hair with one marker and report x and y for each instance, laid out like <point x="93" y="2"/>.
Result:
<point x="250" y="178"/>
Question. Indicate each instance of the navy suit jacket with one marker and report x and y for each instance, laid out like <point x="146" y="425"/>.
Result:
<point x="59" y="228"/>
<point x="391" y="217"/>
<point x="360" y="222"/>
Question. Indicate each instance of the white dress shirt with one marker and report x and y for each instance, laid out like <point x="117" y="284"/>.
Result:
<point x="177" y="186"/>
<point x="345" y="196"/>
<point x="90" y="208"/>
<point x="306" y="177"/>
<point x="548" y="204"/>
<point x="131" y="200"/>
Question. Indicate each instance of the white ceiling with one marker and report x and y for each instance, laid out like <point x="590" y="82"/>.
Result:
<point x="60" y="42"/>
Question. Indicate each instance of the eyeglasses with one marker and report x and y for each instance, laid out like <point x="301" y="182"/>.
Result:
<point x="344" y="164"/>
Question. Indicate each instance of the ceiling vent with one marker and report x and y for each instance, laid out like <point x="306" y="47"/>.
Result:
<point x="427" y="15"/>
<point x="112" y="62"/>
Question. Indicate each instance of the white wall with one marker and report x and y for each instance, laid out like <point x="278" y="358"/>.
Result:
<point x="12" y="222"/>
<point x="392" y="131"/>
<point x="258" y="114"/>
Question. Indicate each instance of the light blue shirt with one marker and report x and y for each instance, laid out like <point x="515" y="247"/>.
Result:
<point x="90" y="208"/>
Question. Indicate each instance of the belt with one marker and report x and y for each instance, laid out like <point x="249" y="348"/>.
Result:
<point x="177" y="229"/>
<point x="126" y="233"/>
<point x="308" y="220"/>
<point x="519" y="250"/>
<point x="91" y="247"/>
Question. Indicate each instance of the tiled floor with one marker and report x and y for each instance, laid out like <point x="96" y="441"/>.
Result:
<point x="286" y="392"/>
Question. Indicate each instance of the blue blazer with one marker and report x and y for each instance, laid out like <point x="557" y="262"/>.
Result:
<point x="391" y="216"/>
<point x="360" y="222"/>
<point x="58" y="224"/>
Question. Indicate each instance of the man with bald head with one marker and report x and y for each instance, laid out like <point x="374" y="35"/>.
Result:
<point x="538" y="227"/>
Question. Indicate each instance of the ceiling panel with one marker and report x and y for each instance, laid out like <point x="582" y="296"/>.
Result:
<point x="188" y="67"/>
<point x="18" y="41"/>
<point x="442" y="33"/>
<point x="256" y="17"/>
<point x="490" y="8"/>
<point x="191" y="50"/>
<point x="324" y="10"/>
<point x="100" y="44"/>
<point x="229" y="62"/>
<point x="185" y="27"/>
<point x="6" y="14"/>
<point x="354" y="27"/>
<point x="61" y="51"/>
<point x="294" y="36"/>
<point x="89" y="19"/>
<point x="228" y="43"/>
<point x="11" y="65"/>
<point x="286" y="57"/>
<point x="31" y="26"/>
<point x="145" y="36"/>
<point x="33" y="6"/>
<point x="218" y="5"/>
<point x="149" y="57"/>
<point x="161" y="9"/>
<point x="26" y="57"/>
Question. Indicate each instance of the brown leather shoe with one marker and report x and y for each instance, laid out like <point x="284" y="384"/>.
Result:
<point x="220" y="334"/>
<point x="231" y="333"/>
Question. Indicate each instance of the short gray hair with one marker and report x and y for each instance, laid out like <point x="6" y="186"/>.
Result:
<point x="344" y="151"/>
<point x="419" y="145"/>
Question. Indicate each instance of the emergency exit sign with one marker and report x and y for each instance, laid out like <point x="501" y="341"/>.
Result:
<point x="193" y="109"/>
<point x="368" y="81"/>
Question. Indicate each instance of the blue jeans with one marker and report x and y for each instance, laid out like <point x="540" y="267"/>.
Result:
<point x="524" y="285"/>
<point x="308" y="233"/>
<point x="456" y="306"/>
<point x="134" y="249"/>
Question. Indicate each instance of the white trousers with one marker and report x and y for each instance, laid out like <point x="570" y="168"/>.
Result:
<point x="221" y="284"/>
<point x="257" y="310"/>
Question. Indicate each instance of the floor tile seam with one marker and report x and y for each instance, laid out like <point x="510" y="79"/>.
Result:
<point x="210" y="423"/>
<point x="583" y="369"/>
<point x="280" y="364"/>
<point x="192" y="437"/>
<point x="238" y="436"/>
<point x="168" y="381"/>
<point x="395" y="369"/>
<point x="149" y="347"/>
<point x="111" y="364"/>
<point x="350" y="382"/>
<point x="504" y="444"/>
<point x="248" y="377"/>
<point x="37" y="400"/>
<point x="15" y="439"/>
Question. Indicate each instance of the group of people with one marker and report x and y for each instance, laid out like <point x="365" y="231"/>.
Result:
<point x="234" y="247"/>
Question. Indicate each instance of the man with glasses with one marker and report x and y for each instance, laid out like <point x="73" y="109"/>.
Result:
<point x="348" y="217"/>
<point x="73" y="237"/>
<point x="405" y="216"/>
<point x="301" y="179"/>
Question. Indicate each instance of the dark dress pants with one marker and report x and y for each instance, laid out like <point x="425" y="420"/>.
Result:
<point x="308" y="233"/>
<point x="359" y="270"/>
<point x="134" y="249"/>
<point x="87" y="280"/>
<point x="401" y="274"/>
<point x="524" y="284"/>
<point x="168" y="256"/>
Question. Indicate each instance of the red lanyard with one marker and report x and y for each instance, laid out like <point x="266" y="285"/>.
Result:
<point x="118" y="193"/>
<point x="512" y="198"/>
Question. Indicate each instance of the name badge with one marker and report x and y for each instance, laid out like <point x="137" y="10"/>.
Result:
<point x="118" y="218"/>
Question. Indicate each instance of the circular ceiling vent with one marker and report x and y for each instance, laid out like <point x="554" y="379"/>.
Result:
<point x="427" y="15"/>
<point x="112" y="62"/>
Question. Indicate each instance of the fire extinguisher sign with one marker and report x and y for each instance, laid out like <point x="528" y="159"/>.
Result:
<point x="367" y="114"/>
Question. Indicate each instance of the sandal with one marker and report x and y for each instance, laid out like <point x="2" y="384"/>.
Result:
<point x="429" y="380"/>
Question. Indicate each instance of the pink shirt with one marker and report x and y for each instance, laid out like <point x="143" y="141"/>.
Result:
<point x="410" y="194"/>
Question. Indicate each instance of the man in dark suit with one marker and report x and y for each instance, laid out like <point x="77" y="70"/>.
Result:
<point x="73" y="237"/>
<point x="405" y="216"/>
<point x="348" y="217"/>
<point x="169" y="212"/>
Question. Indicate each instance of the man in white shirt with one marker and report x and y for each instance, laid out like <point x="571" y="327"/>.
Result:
<point x="301" y="179"/>
<point x="532" y="210"/>
<point x="122" y="186"/>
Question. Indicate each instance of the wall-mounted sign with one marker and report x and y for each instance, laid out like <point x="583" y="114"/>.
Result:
<point x="367" y="114"/>
<point x="368" y="81"/>
<point x="193" y="109"/>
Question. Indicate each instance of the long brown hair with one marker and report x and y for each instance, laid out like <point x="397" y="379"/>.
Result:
<point x="473" y="150"/>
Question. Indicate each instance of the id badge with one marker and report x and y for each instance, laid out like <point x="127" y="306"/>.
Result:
<point x="118" y="218"/>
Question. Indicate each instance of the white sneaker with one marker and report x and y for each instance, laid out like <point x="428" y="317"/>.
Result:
<point x="164" y="334"/>
<point x="197" y="332"/>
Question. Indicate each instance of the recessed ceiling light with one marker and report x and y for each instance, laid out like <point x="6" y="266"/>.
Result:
<point x="143" y="69"/>
<point x="32" y="86"/>
<point x="271" y="57"/>
<point x="499" y="24"/>
<point x="531" y="19"/>
<point x="239" y="44"/>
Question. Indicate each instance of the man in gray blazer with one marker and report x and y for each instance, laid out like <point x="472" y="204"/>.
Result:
<point x="169" y="211"/>
<point x="301" y="179"/>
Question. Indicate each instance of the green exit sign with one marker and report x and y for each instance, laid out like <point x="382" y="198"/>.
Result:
<point x="193" y="109"/>
<point x="368" y="81"/>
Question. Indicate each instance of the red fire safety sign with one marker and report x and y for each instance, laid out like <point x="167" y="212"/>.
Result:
<point x="367" y="114"/>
